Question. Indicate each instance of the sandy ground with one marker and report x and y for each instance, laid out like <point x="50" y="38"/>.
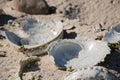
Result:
<point x="88" y="18"/>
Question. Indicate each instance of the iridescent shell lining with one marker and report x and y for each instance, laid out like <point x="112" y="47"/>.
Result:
<point x="78" y="53"/>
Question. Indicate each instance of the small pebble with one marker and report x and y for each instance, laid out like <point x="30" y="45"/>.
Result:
<point x="10" y="22"/>
<point x="2" y="54"/>
<point x="62" y="21"/>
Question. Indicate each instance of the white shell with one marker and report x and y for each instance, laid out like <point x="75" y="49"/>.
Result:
<point x="91" y="73"/>
<point x="33" y="34"/>
<point x="113" y="35"/>
<point x="78" y="53"/>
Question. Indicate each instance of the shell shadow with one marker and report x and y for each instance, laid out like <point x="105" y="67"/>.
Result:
<point x="51" y="9"/>
<point x="71" y="35"/>
<point x="4" y="18"/>
<point x="112" y="61"/>
<point x="13" y="38"/>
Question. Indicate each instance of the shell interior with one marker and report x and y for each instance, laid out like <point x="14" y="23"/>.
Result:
<point x="113" y="35"/>
<point x="33" y="34"/>
<point x="78" y="53"/>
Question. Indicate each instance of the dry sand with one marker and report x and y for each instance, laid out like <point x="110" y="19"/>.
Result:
<point x="87" y="18"/>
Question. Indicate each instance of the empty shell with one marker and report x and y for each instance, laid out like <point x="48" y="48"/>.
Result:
<point x="33" y="37"/>
<point x="113" y="35"/>
<point x="78" y="53"/>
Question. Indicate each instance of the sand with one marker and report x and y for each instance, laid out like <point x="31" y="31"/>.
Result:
<point x="87" y="18"/>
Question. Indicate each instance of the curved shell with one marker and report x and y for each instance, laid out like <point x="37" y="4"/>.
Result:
<point x="33" y="34"/>
<point x="31" y="6"/>
<point x="113" y="35"/>
<point x="91" y="73"/>
<point x="77" y="53"/>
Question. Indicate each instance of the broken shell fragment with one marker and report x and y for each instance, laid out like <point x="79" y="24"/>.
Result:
<point x="113" y="35"/>
<point x="31" y="6"/>
<point x="91" y="73"/>
<point x="25" y="63"/>
<point x="77" y="53"/>
<point x="32" y="37"/>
